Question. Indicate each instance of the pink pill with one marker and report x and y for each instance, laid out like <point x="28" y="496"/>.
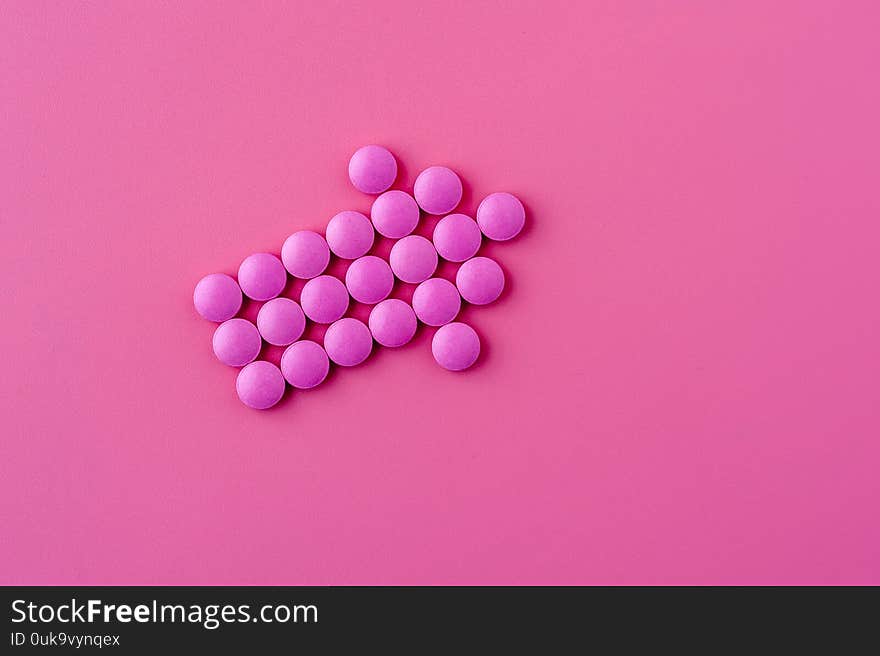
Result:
<point x="437" y="190"/>
<point x="324" y="299"/>
<point x="281" y="321"/>
<point x="348" y="342"/>
<point x="305" y="254"/>
<point x="456" y="346"/>
<point x="372" y="169"/>
<point x="393" y="323"/>
<point x="350" y="235"/>
<point x="395" y="214"/>
<point x="260" y="385"/>
<point x="305" y="364"/>
<point x="436" y="302"/>
<point x="413" y="259"/>
<point x="369" y="279"/>
<point x="236" y="342"/>
<point x="480" y="280"/>
<point x="217" y="297"/>
<point x="457" y="237"/>
<point x="501" y="216"/>
<point x="262" y="276"/>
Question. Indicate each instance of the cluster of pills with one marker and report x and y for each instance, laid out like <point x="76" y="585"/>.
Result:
<point x="369" y="279"/>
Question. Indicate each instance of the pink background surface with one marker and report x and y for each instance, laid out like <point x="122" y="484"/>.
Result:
<point x="678" y="386"/>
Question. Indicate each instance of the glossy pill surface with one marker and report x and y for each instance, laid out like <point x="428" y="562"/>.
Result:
<point x="455" y="346"/>
<point x="457" y="237"/>
<point x="437" y="190"/>
<point x="262" y="276"/>
<point x="324" y="299"/>
<point x="281" y="321"/>
<point x="480" y="280"/>
<point x="217" y="297"/>
<point x="260" y="385"/>
<point x="501" y="216"/>
<point x="436" y="302"/>
<point x="372" y="169"/>
<point x="236" y="342"/>
<point x="392" y="323"/>
<point x="350" y="235"/>
<point x="305" y="254"/>
<point x="305" y="364"/>
<point x="369" y="279"/>
<point x="394" y="214"/>
<point x="413" y="259"/>
<point x="348" y="342"/>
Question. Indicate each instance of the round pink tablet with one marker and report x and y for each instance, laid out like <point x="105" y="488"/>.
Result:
<point x="348" y="342"/>
<point x="305" y="364"/>
<point x="413" y="259"/>
<point x="437" y="190"/>
<point x="260" y="385"/>
<point x="217" y="297"/>
<point x="261" y="276"/>
<point x="324" y="299"/>
<point x="236" y="342"/>
<point x="350" y="235"/>
<point x="305" y="254"/>
<point x="393" y="323"/>
<point x="395" y="214"/>
<point x="455" y="346"/>
<point x="372" y="169"/>
<point x="281" y="321"/>
<point x="501" y="216"/>
<point x="457" y="237"/>
<point x="369" y="279"/>
<point x="480" y="280"/>
<point x="436" y="302"/>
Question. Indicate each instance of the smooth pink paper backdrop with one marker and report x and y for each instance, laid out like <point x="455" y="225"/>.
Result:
<point x="680" y="384"/>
